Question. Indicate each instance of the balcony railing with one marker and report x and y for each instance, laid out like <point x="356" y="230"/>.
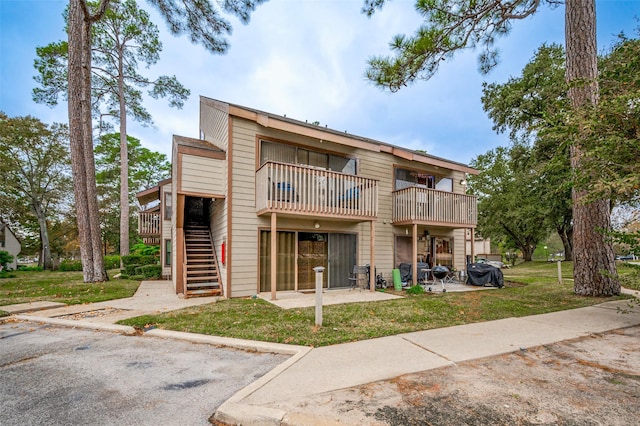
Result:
<point x="149" y="224"/>
<point x="295" y="189"/>
<point x="422" y="205"/>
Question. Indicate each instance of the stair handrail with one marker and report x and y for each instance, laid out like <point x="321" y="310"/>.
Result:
<point x="184" y="263"/>
<point x="215" y="258"/>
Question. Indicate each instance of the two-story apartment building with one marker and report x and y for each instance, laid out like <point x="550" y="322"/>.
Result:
<point x="330" y="199"/>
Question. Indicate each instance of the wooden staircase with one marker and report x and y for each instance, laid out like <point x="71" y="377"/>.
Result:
<point x="202" y="277"/>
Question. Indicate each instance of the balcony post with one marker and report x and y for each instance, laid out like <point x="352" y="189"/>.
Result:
<point x="414" y="250"/>
<point x="372" y="255"/>
<point x="274" y="255"/>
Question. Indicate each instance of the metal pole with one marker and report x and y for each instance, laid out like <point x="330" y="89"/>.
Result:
<point x="319" y="273"/>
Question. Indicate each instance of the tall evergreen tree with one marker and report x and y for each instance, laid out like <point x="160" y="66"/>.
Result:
<point x="453" y="25"/>
<point x="201" y="20"/>
<point x="122" y="40"/>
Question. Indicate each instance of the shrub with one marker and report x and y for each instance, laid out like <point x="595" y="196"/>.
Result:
<point x="70" y="265"/>
<point x="145" y="250"/>
<point x="130" y="269"/>
<point x="149" y="271"/>
<point x="416" y="289"/>
<point x="29" y="268"/>
<point x="5" y="258"/>
<point x="136" y="259"/>
<point x="112" y="262"/>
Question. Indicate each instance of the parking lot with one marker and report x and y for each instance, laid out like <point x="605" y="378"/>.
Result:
<point x="60" y="376"/>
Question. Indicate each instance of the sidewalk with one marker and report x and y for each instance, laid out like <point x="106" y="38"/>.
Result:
<point x="330" y="368"/>
<point x="314" y="371"/>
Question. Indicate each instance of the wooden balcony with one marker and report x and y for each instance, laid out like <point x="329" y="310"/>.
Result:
<point x="301" y="190"/>
<point x="432" y="207"/>
<point x="149" y="225"/>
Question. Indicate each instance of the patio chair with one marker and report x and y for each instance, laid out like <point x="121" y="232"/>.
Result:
<point x="284" y="191"/>
<point x="451" y="277"/>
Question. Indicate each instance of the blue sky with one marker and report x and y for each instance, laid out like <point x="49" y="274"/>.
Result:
<point x="306" y="59"/>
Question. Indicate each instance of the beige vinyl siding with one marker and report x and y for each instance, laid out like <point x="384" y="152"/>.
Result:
<point x="214" y="122"/>
<point x="245" y="222"/>
<point x="174" y="213"/>
<point x="459" y="250"/>
<point x="203" y="175"/>
<point x="166" y="228"/>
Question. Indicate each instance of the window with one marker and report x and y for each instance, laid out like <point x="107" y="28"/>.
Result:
<point x="2" y="234"/>
<point x="283" y="153"/>
<point x="406" y="178"/>
<point x="167" y="206"/>
<point x="167" y="252"/>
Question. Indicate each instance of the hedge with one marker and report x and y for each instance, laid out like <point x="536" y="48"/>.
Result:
<point x="149" y="271"/>
<point x="112" y="261"/>
<point x="70" y="265"/>
<point x="136" y="259"/>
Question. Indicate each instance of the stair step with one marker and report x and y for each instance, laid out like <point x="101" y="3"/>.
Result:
<point x="201" y="266"/>
<point x="202" y="273"/>
<point x="200" y="259"/>
<point x="210" y="284"/>
<point x="203" y="293"/>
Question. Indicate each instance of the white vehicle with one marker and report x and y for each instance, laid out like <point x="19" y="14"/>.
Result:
<point x="494" y="263"/>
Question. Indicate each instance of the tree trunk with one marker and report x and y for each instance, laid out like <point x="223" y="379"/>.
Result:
<point x="45" y="257"/>
<point x="99" y="273"/>
<point x="77" y="97"/>
<point x="124" y="166"/>
<point x="594" y="264"/>
<point x="81" y="143"/>
<point x="567" y="242"/>
<point x="527" y="252"/>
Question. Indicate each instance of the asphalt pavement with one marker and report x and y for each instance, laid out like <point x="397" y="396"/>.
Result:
<point x="55" y="375"/>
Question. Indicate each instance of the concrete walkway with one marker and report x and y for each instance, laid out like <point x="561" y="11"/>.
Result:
<point x="314" y="371"/>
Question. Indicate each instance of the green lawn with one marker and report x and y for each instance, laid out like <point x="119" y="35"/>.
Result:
<point x="65" y="287"/>
<point x="531" y="288"/>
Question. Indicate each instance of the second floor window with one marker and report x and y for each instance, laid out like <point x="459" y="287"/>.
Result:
<point x="167" y="206"/>
<point x="405" y="178"/>
<point x="283" y="153"/>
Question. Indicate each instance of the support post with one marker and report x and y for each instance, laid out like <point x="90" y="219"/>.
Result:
<point x="414" y="250"/>
<point x="319" y="275"/>
<point x="274" y="255"/>
<point x="372" y="256"/>
<point x="473" y="245"/>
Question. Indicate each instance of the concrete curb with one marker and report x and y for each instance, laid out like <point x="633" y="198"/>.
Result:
<point x="22" y="308"/>
<point x="114" y="328"/>
<point x="249" y="345"/>
<point x="233" y="412"/>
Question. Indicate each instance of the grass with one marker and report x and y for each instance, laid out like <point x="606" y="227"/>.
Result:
<point x="531" y="288"/>
<point x="65" y="287"/>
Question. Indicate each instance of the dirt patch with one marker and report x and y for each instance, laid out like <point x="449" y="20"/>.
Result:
<point x="590" y="381"/>
<point x="95" y="313"/>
